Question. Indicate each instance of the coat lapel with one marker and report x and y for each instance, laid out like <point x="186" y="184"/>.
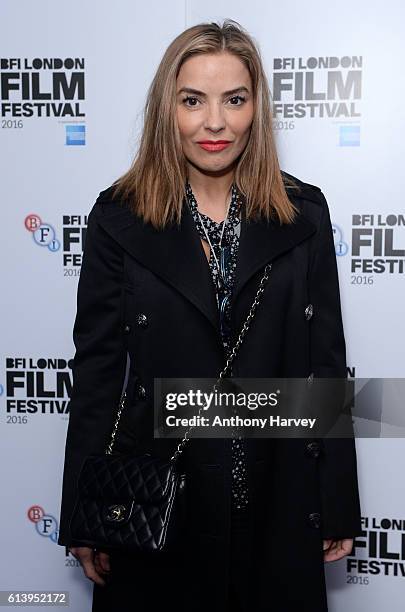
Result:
<point x="262" y="241"/>
<point x="176" y="255"/>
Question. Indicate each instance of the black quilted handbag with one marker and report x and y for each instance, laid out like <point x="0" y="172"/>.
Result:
<point x="136" y="503"/>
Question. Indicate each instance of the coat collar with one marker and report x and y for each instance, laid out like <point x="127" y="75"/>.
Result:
<point x="176" y="255"/>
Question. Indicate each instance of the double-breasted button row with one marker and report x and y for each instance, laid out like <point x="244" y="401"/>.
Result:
<point x="313" y="449"/>
<point x="314" y="520"/>
<point x="309" y="311"/>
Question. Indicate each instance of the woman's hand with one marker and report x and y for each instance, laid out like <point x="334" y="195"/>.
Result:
<point x="95" y="563"/>
<point x="336" y="549"/>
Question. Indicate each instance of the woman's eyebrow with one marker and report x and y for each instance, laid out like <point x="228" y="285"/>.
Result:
<point x="197" y="92"/>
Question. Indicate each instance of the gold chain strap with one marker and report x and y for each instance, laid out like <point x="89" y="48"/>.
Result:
<point x="229" y="362"/>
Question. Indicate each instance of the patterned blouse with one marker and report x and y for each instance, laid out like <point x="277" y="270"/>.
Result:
<point x="227" y="261"/>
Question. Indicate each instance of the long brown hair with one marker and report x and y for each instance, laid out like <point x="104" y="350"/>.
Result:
<point x="154" y="185"/>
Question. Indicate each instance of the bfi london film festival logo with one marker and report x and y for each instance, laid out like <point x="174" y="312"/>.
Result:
<point x="319" y="88"/>
<point x="44" y="87"/>
<point x="378" y="244"/>
<point x="43" y="233"/>
<point x="379" y="551"/>
<point x="45" y="524"/>
<point x="36" y="386"/>
<point x="74" y="228"/>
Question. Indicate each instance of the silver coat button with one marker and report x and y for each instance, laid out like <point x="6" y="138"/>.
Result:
<point x="142" y="320"/>
<point x="310" y="378"/>
<point x="127" y="329"/>
<point x="309" y="311"/>
<point x="314" y="519"/>
<point x="313" y="449"/>
<point x="141" y="391"/>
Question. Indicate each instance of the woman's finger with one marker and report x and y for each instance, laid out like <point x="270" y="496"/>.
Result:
<point x="326" y="544"/>
<point x="101" y="562"/>
<point x="347" y="545"/>
<point x="87" y="560"/>
<point x="338" y="550"/>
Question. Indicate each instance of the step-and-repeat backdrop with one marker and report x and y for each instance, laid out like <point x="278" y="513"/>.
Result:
<point x="73" y="83"/>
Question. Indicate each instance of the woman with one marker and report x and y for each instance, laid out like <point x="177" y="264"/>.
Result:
<point x="168" y="278"/>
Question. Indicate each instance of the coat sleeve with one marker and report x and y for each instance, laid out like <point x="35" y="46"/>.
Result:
<point x="99" y="363"/>
<point x="340" y="503"/>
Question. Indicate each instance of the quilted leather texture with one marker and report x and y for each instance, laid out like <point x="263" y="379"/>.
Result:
<point x="133" y="503"/>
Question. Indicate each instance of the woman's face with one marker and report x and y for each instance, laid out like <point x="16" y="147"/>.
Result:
<point x="214" y="103"/>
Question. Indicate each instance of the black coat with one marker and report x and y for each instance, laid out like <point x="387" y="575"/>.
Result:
<point x="298" y="496"/>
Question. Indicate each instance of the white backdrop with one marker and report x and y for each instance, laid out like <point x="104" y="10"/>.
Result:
<point x="338" y="87"/>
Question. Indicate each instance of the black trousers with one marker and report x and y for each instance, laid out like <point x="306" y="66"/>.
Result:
<point x="121" y="593"/>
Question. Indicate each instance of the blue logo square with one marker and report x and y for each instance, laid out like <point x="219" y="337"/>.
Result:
<point x="75" y="135"/>
<point x="349" y="136"/>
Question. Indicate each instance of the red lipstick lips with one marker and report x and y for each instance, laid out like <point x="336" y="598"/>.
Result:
<point x="214" y="145"/>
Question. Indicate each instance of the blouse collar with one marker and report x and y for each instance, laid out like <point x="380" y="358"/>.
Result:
<point x="210" y="224"/>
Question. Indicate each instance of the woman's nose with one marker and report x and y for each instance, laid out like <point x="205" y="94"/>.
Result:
<point x="215" y="119"/>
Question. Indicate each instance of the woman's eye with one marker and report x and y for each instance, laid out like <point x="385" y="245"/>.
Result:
<point x="187" y="99"/>
<point x="241" y="98"/>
